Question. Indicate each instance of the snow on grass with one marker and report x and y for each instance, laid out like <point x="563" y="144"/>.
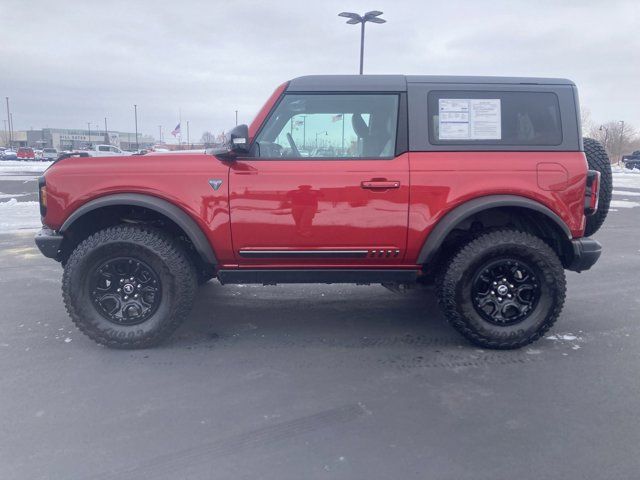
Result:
<point x="16" y="166"/>
<point x="16" y="215"/>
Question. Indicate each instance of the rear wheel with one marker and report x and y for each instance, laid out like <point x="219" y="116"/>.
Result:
<point x="598" y="160"/>
<point x="128" y="286"/>
<point x="503" y="290"/>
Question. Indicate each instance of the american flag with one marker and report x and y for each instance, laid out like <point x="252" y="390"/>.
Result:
<point x="176" y="131"/>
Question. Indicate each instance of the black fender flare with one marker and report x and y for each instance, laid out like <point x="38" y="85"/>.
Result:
<point x="163" y="207"/>
<point x="461" y="212"/>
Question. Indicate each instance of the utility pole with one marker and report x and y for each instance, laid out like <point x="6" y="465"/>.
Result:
<point x="9" y="122"/>
<point x="135" y="110"/>
<point x="89" y="128"/>
<point x="160" y="129"/>
<point x="6" y="134"/>
<point x="106" y="132"/>
<point x="236" y="117"/>
<point x="188" y="138"/>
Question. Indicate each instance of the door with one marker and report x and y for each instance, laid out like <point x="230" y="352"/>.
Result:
<point x="323" y="186"/>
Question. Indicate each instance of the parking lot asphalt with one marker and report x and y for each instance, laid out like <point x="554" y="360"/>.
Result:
<point x="322" y="381"/>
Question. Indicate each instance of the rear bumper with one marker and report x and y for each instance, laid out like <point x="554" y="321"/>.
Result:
<point x="586" y="253"/>
<point x="48" y="242"/>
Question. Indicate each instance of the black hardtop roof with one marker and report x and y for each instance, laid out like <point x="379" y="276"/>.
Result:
<point x="373" y="83"/>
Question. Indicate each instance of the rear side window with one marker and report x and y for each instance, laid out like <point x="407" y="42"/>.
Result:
<point x="494" y="118"/>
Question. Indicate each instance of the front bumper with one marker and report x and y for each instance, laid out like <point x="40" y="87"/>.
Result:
<point x="586" y="253"/>
<point x="48" y="242"/>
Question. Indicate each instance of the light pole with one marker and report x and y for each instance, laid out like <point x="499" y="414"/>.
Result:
<point x="236" y="117"/>
<point x="188" y="139"/>
<point x="89" y="128"/>
<point x="160" y="129"/>
<point x="135" y="113"/>
<point x="106" y="132"/>
<point x="9" y="122"/>
<point x="320" y="133"/>
<point x="354" y="19"/>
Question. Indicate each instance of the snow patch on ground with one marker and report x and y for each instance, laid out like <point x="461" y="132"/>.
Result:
<point x="562" y="336"/>
<point x="13" y="166"/>
<point x="16" y="215"/>
<point x="623" y="204"/>
<point x="623" y="178"/>
<point x="625" y="193"/>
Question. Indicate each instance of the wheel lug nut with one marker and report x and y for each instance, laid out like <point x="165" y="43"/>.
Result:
<point x="126" y="297"/>
<point x="504" y="279"/>
<point x="492" y="292"/>
<point x="510" y="286"/>
<point x="135" y="296"/>
<point x="499" y="299"/>
<point x="495" y="283"/>
<point x="131" y="279"/>
<point x="119" y="290"/>
<point x="139" y="286"/>
<point x="509" y="295"/>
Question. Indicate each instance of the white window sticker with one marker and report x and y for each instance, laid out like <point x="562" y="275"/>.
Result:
<point x="469" y="119"/>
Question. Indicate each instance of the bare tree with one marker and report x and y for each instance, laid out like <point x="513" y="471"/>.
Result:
<point x="207" y="138"/>
<point x="617" y="137"/>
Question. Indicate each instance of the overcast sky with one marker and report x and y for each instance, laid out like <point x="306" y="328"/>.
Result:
<point x="66" y="63"/>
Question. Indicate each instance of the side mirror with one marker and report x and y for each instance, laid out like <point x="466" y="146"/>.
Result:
<point x="236" y="144"/>
<point x="239" y="139"/>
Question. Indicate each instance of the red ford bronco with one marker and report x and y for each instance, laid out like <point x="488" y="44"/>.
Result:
<point x="483" y="186"/>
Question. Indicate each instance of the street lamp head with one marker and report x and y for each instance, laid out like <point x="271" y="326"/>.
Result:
<point x="372" y="16"/>
<point x="354" y="17"/>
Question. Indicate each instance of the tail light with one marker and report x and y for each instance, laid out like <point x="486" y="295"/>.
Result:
<point x="592" y="192"/>
<point x="42" y="196"/>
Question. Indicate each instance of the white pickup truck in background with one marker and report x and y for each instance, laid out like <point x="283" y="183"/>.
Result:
<point x="105" y="151"/>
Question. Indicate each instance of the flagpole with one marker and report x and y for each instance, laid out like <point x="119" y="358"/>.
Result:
<point x="343" y="133"/>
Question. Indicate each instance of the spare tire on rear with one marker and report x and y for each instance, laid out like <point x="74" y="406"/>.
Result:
<point x="598" y="159"/>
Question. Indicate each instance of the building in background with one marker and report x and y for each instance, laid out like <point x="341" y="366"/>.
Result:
<point x="70" y="139"/>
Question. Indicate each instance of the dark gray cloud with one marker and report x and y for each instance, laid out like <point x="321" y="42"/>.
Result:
<point x="70" y="62"/>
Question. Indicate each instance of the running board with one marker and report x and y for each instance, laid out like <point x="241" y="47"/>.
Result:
<point x="273" y="277"/>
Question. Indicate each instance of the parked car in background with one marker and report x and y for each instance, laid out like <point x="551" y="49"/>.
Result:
<point x="105" y="151"/>
<point x="9" y="155"/>
<point x="26" y="153"/>
<point x="49" y="154"/>
<point x="632" y="161"/>
<point x="37" y="153"/>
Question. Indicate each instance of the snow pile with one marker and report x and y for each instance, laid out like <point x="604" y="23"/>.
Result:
<point x="16" y="215"/>
<point x="624" y="178"/>
<point x="15" y="166"/>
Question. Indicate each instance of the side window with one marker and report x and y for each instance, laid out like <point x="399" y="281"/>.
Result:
<point x="116" y="150"/>
<point x="103" y="148"/>
<point x="330" y="126"/>
<point x="494" y="118"/>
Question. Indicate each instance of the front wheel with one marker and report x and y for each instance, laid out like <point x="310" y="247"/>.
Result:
<point x="503" y="290"/>
<point x="128" y="286"/>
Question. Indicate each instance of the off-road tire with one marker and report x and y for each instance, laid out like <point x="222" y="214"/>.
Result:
<point x="454" y="290"/>
<point x="598" y="159"/>
<point x="166" y="256"/>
